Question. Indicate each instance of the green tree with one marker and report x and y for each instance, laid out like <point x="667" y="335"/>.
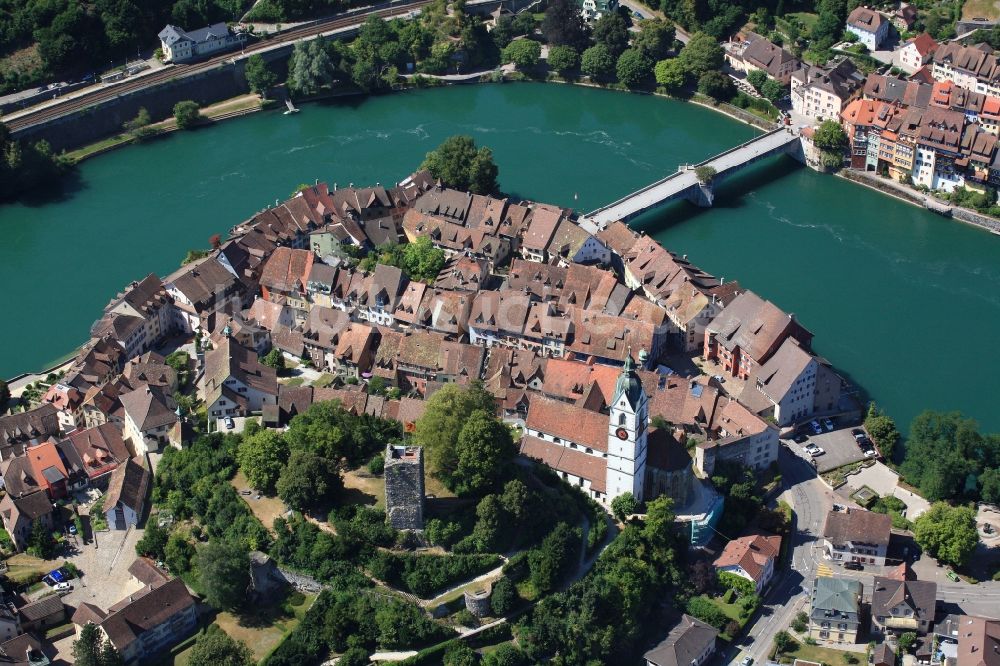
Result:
<point x="216" y="648"/>
<point x="757" y="78"/>
<point x="772" y="91"/>
<point x="274" y="359"/>
<point x="556" y="557"/>
<point x="259" y="76"/>
<point x="153" y="542"/>
<point x="459" y="654"/>
<point x="439" y="428"/>
<point x="506" y="655"/>
<point x="522" y="52"/>
<point x="670" y="74"/>
<point x="4" y="396"/>
<point x="907" y="640"/>
<point x="484" y="448"/>
<point x="504" y="597"/>
<point x="308" y="481"/>
<point x="655" y="39"/>
<point x="186" y="114"/>
<point x="224" y="573"/>
<point x="310" y="68"/>
<point x="87" y="648"/>
<point x="354" y="656"/>
<point x="563" y="25"/>
<point x="91" y="649"/>
<point x="830" y="136"/>
<point x="702" y="54"/>
<point x="597" y="63"/>
<point x="624" y="505"/>
<point x="633" y="67"/>
<point x="178" y="554"/>
<point x="706" y="174"/>
<point x="563" y="58"/>
<point x="139" y="126"/>
<point x="783" y="642"/>
<point x="262" y="456"/>
<point x="947" y="533"/>
<point x="882" y="429"/>
<point x="611" y="30"/>
<point x="716" y="85"/>
<point x="460" y="164"/>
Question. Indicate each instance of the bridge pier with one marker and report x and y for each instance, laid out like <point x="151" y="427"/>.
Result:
<point x="701" y="195"/>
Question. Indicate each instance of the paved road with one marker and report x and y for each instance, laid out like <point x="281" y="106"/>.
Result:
<point x="811" y="500"/>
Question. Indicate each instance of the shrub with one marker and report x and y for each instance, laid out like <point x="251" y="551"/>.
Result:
<point x="186" y="114"/>
<point x="376" y="465"/>
<point x="706" y="611"/>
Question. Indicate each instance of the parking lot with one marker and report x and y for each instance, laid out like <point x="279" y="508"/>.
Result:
<point x="839" y="446"/>
<point x="104" y="580"/>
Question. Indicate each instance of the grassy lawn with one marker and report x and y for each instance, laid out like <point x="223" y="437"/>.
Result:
<point x="987" y="9"/>
<point x="294" y="381"/>
<point x="262" y="630"/>
<point x="818" y="654"/>
<point x="23" y="567"/>
<point x="325" y="380"/>
<point x="808" y="19"/>
<point x="266" y="509"/>
<point x="363" y="488"/>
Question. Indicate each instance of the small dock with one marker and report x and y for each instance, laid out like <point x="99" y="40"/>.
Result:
<point x="291" y="107"/>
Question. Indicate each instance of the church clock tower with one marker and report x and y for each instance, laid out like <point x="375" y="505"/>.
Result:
<point x="627" y="431"/>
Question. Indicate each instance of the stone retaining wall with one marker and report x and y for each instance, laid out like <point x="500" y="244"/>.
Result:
<point x="982" y="221"/>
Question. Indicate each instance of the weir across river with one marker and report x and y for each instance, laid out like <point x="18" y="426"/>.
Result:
<point x="684" y="184"/>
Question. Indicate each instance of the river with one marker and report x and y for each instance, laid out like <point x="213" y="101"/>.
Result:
<point x="888" y="289"/>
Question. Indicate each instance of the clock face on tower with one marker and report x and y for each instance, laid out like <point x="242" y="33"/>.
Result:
<point x="621" y="433"/>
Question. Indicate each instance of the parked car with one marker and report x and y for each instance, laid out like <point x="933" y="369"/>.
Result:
<point x="870" y="453"/>
<point x="828" y="424"/>
<point x="800" y="438"/>
<point x="814" y="450"/>
<point x="816" y="427"/>
<point x="230" y="424"/>
<point x="854" y="566"/>
<point x="838" y="507"/>
<point x="865" y="443"/>
<point x="747" y="660"/>
<point x="859" y="434"/>
<point x="63" y="587"/>
<point x="246" y="491"/>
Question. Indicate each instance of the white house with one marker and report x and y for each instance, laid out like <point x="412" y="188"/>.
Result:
<point x="178" y="45"/>
<point x="870" y="27"/>
<point x="150" y="419"/>
<point x="792" y="385"/>
<point x="751" y="557"/>
<point x="917" y="52"/>
<point x="857" y="536"/>
<point x="126" y="496"/>
<point x="236" y="383"/>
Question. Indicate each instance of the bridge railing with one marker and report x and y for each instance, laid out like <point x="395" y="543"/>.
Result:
<point x="683" y="169"/>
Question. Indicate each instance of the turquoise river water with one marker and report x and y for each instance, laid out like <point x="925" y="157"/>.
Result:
<point x="889" y="290"/>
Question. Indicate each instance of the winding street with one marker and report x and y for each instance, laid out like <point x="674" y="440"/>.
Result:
<point x="811" y="500"/>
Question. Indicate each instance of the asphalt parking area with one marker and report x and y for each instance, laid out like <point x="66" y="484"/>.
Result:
<point x="839" y="446"/>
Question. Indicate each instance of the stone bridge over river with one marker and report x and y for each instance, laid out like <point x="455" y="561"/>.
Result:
<point x="684" y="184"/>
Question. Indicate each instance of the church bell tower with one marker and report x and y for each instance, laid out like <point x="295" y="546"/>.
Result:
<point x="628" y="425"/>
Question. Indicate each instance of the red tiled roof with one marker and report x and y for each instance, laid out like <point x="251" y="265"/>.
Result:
<point x="751" y="553"/>
<point x="567" y="460"/>
<point x="569" y="422"/>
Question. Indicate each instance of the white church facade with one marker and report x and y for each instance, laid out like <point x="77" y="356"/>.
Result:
<point x="604" y="454"/>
